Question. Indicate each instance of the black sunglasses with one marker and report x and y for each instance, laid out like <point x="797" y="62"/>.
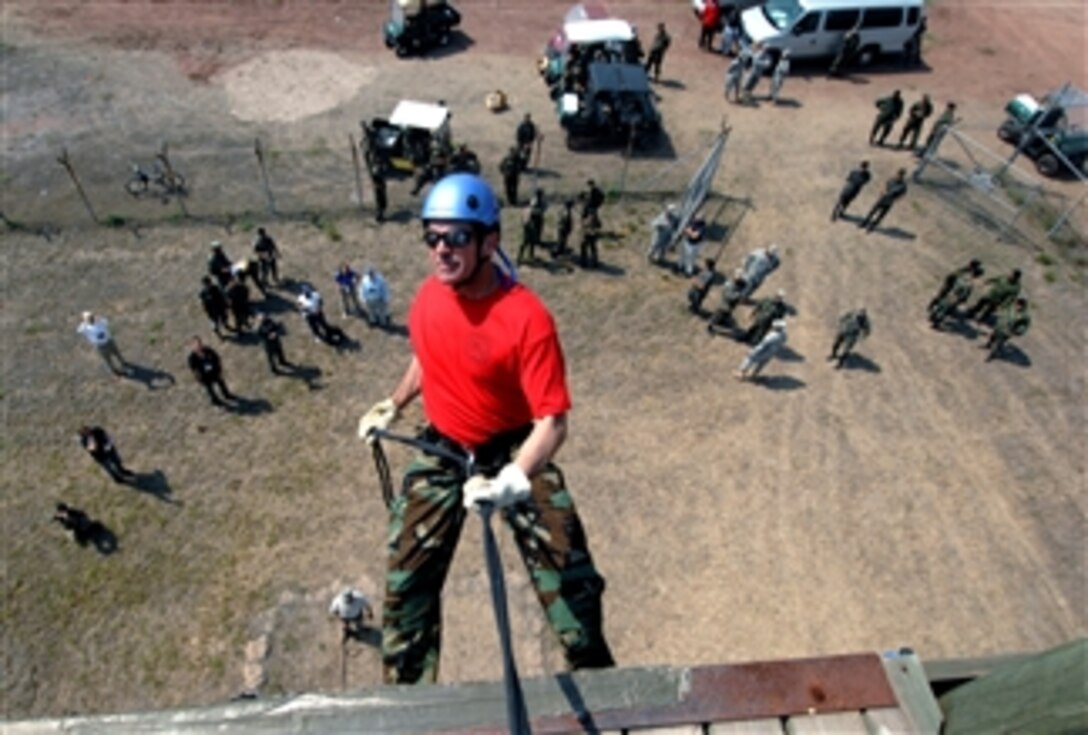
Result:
<point x="456" y="238"/>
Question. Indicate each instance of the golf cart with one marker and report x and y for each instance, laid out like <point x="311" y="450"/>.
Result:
<point x="1042" y="129"/>
<point x="617" y="107"/>
<point x="597" y="39"/>
<point x="415" y="26"/>
<point x="404" y="142"/>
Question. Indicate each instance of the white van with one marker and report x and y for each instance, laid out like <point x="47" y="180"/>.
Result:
<point x="815" y="28"/>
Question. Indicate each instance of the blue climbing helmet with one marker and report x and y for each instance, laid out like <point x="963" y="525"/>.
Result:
<point x="463" y="197"/>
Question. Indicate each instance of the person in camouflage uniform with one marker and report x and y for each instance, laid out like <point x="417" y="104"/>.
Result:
<point x="733" y="292"/>
<point x="591" y="233"/>
<point x="853" y="327"/>
<point x="1013" y="321"/>
<point x="658" y="47"/>
<point x="953" y="295"/>
<point x="944" y="121"/>
<point x="506" y="407"/>
<point x="510" y="168"/>
<point x="563" y="227"/>
<point x="765" y="313"/>
<point x="1003" y="290"/>
<point x="916" y="117"/>
<point x="532" y="228"/>
<point x="974" y="268"/>
<point x="888" y="111"/>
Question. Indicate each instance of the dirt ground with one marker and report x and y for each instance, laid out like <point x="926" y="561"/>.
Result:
<point x="920" y="497"/>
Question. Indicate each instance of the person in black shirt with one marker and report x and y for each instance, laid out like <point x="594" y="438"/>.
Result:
<point x="98" y="444"/>
<point x="208" y="371"/>
<point x="271" y="332"/>
<point x="214" y="303"/>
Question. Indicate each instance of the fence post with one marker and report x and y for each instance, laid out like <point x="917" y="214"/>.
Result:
<point x="65" y="161"/>
<point x="164" y="156"/>
<point x="259" y="151"/>
<point x="358" y="172"/>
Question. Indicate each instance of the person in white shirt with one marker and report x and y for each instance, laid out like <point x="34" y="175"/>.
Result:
<point x="374" y="293"/>
<point x="96" y="330"/>
<point x="353" y="609"/>
<point x="312" y="308"/>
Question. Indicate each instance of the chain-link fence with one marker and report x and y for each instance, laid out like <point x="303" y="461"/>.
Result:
<point x="320" y="177"/>
<point x="979" y="182"/>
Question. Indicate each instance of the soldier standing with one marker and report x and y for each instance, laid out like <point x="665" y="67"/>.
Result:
<point x="855" y="182"/>
<point x="663" y="227"/>
<point x="592" y="199"/>
<point x="895" y="188"/>
<point x="532" y="226"/>
<point x="510" y="170"/>
<point x="853" y="327"/>
<point x="733" y="291"/>
<point x="759" y="63"/>
<point x="974" y="268"/>
<point x="563" y="228"/>
<point x="1002" y="291"/>
<point x="944" y="121"/>
<point x="765" y="313"/>
<point x="591" y="232"/>
<point x="658" y="48"/>
<point x="525" y="136"/>
<point x="781" y="69"/>
<point x="762" y="353"/>
<point x="701" y="286"/>
<point x="381" y="198"/>
<point x="846" y="53"/>
<point x="916" y="117"/>
<point x="1013" y="321"/>
<point x="889" y="109"/>
<point x="759" y="264"/>
<point x="953" y="294"/>
<point x="733" y="74"/>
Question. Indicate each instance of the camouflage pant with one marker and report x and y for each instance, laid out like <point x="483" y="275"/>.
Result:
<point x="424" y="527"/>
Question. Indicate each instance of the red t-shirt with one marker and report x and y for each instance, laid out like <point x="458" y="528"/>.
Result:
<point x="489" y="365"/>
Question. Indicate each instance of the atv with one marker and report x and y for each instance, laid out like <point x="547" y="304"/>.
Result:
<point x="1039" y="129"/>
<point x="403" y="143"/>
<point x="616" y="107"/>
<point x="416" y="26"/>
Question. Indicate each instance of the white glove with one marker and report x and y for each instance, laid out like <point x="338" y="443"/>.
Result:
<point x="506" y="488"/>
<point x="380" y="416"/>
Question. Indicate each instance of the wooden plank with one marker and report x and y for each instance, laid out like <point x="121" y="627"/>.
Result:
<point x="678" y="730"/>
<point x="836" y="723"/>
<point x="747" y="727"/>
<point x="888" y="721"/>
<point x="911" y="686"/>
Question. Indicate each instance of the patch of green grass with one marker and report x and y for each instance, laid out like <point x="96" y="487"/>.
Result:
<point x="987" y="50"/>
<point x="1044" y="259"/>
<point x="34" y="328"/>
<point x="917" y="206"/>
<point x="114" y="220"/>
<point x="328" y="227"/>
<point x="1050" y="276"/>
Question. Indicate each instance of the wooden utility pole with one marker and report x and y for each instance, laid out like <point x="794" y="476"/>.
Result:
<point x="65" y="161"/>
<point x="170" y="175"/>
<point x="259" y="151"/>
<point x="358" y="170"/>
